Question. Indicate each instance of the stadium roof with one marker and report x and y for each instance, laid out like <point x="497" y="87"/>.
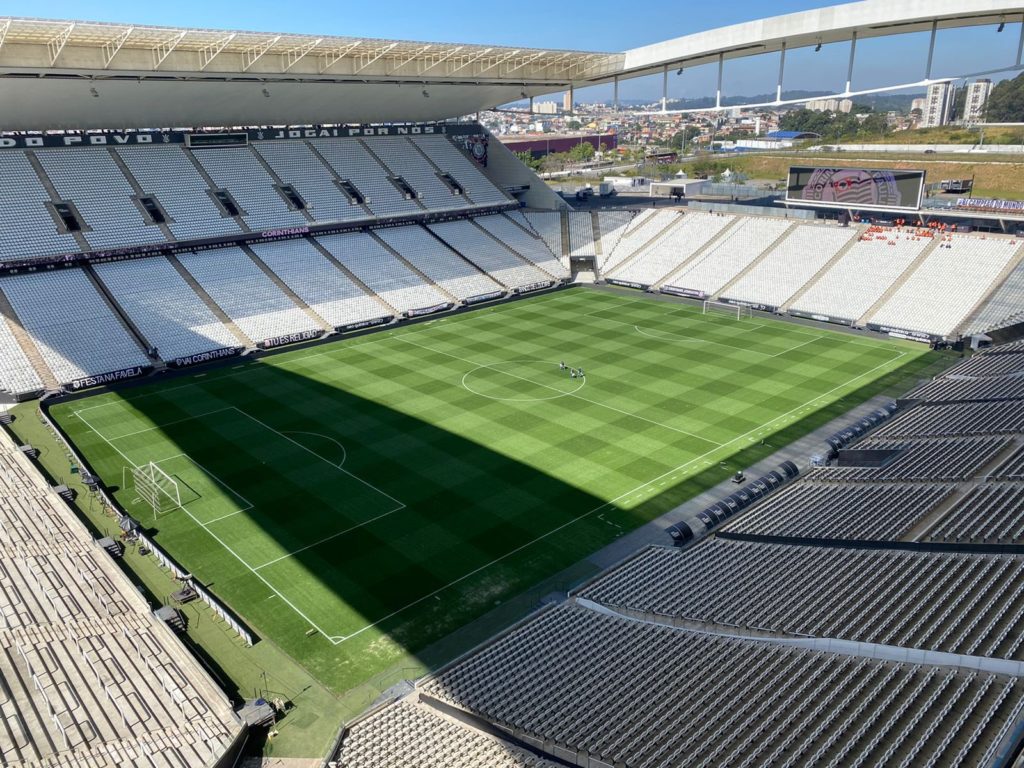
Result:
<point x="81" y="74"/>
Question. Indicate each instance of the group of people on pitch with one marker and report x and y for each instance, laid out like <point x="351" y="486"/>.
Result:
<point x="574" y="373"/>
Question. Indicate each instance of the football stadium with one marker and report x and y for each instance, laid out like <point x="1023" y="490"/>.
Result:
<point x="331" y="434"/>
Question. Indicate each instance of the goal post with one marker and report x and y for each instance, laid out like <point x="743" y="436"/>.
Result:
<point x="723" y="308"/>
<point x="156" y="488"/>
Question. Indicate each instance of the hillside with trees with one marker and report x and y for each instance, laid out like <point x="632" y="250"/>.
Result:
<point x="1006" y="104"/>
<point x="861" y="123"/>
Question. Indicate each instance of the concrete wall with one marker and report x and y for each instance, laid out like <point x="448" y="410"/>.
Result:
<point x="505" y="169"/>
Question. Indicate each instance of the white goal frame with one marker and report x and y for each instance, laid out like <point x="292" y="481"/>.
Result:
<point x="739" y="310"/>
<point x="156" y="488"/>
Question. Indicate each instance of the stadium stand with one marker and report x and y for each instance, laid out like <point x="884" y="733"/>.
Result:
<point x="733" y="253"/>
<point x="613" y="225"/>
<point x="873" y="512"/>
<point x="166" y="309"/>
<point x="599" y="689"/>
<point x="377" y="268"/>
<point x="89" y="676"/>
<point x="166" y="173"/>
<point x="508" y="268"/>
<point x="401" y="157"/>
<point x="788" y="266"/>
<point x="17" y="375"/>
<point x="968" y="262"/>
<point x="640" y="232"/>
<point x="1005" y="306"/>
<point x="1004" y="360"/>
<point x="967" y="390"/>
<point x="531" y="248"/>
<point x="444" y="154"/>
<point x="73" y="327"/>
<point x="953" y="458"/>
<point x="581" y="234"/>
<point x="993" y="512"/>
<point x="1012" y="468"/>
<point x="324" y="287"/>
<point x="91" y="179"/>
<point x="246" y="295"/>
<point x="675" y="248"/>
<point x="945" y="419"/>
<point x="861" y="275"/>
<point x="27" y="229"/>
<point x="438" y="262"/>
<point x="549" y="226"/>
<point x="352" y="162"/>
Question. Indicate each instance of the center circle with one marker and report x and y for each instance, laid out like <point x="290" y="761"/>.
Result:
<point x="547" y="378"/>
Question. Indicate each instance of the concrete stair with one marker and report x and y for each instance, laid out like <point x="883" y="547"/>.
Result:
<point x="512" y="250"/>
<point x="387" y="170"/>
<point x="673" y="223"/>
<point x="277" y="180"/>
<point x="55" y="197"/>
<point x="28" y="346"/>
<point x="922" y="257"/>
<point x="243" y="340"/>
<point x="821" y="272"/>
<point x="423" y="276"/>
<point x="334" y="173"/>
<point x="416" y="148"/>
<point x="139" y="191"/>
<point x="1008" y="270"/>
<point x="212" y="185"/>
<point x="126" y="322"/>
<point x="388" y="309"/>
<point x="760" y="257"/>
<point x="723" y="233"/>
<point x="595" y="224"/>
<point x="566" y="248"/>
<point x="285" y="288"/>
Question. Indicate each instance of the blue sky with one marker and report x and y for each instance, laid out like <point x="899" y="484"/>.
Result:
<point x="610" y="25"/>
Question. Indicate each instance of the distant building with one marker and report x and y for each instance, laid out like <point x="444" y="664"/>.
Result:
<point x="830" y="105"/>
<point x="546" y="107"/>
<point x="938" y="108"/>
<point x="977" y="97"/>
<point x="567" y="102"/>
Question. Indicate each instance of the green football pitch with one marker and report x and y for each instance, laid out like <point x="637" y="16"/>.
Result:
<point x="356" y="501"/>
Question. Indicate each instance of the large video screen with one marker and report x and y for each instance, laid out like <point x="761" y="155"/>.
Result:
<point x="856" y="187"/>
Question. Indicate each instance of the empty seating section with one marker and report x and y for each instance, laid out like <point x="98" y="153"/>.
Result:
<point x="353" y="163"/>
<point x="788" y="266"/>
<point x="166" y="173"/>
<point x="250" y="298"/>
<point x="377" y="267"/>
<point x="612" y="224"/>
<point x="239" y="171"/>
<point x="27" y="228"/>
<point x="952" y="602"/>
<point x="530" y="247"/>
<point x="925" y="303"/>
<point x="406" y="734"/>
<point x="549" y="226"/>
<point x="872" y="512"/>
<point x="1004" y="307"/>
<point x="1004" y="360"/>
<point x="91" y="179"/>
<point x="960" y="390"/>
<point x="490" y="255"/>
<point x="673" y="249"/>
<point x="992" y="512"/>
<point x="581" y="233"/>
<point x="955" y="458"/>
<point x="603" y="690"/>
<point x="17" y="375"/>
<point x="640" y="231"/>
<point x="446" y="156"/>
<point x="296" y="164"/>
<point x="405" y="160"/>
<point x="73" y="327"/>
<point x="438" y="262"/>
<point x="1012" y="468"/>
<point x="733" y="253"/>
<point x="326" y="289"/>
<point x="87" y="677"/>
<point x="164" y="307"/>
<point x="957" y="419"/>
<point x="862" y="275"/>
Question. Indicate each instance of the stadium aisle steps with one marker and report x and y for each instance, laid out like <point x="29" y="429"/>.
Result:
<point x="418" y="150"/>
<point x="760" y="257"/>
<point x="277" y="179"/>
<point x="426" y="278"/>
<point x="388" y="172"/>
<point x="723" y="233"/>
<point x="55" y="197"/>
<point x="137" y="188"/>
<point x="1001" y="278"/>
<point x="244" y="340"/>
<point x="285" y="288"/>
<point x="563" y="220"/>
<point x="598" y="247"/>
<point x="334" y="174"/>
<point x="907" y="274"/>
<point x="28" y="346"/>
<point x="512" y="250"/>
<point x="821" y="272"/>
<point x="118" y="311"/>
<point x="353" y="277"/>
<point x="212" y="185"/>
<point x="657" y="237"/>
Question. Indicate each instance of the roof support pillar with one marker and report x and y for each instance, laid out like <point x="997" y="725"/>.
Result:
<point x="931" y="51"/>
<point x="664" y="88"/>
<point x="1020" y="45"/>
<point x="615" y="88"/>
<point x="782" y="72"/>
<point x="853" y="57"/>
<point x="721" y="71"/>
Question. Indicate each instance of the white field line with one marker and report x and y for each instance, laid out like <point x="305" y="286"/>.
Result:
<point x="556" y="389"/>
<point x="783" y="352"/>
<point x="676" y="337"/>
<point x="169" y="423"/>
<point x="232" y="491"/>
<point x="617" y="498"/>
<point x="219" y="540"/>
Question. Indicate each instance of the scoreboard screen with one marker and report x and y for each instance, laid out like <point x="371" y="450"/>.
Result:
<point x="856" y="187"/>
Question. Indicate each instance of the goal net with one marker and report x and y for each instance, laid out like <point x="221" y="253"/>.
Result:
<point x="721" y="308"/>
<point x="156" y="488"/>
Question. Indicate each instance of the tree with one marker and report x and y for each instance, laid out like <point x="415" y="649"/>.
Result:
<point x="573" y="125"/>
<point x="527" y="159"/>
<point x="684" y="137"/>
<point x="1006" y="103"/>
<point x="581" y="152"/>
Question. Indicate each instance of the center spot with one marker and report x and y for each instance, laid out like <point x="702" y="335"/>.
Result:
<point x="521" y="381"/>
